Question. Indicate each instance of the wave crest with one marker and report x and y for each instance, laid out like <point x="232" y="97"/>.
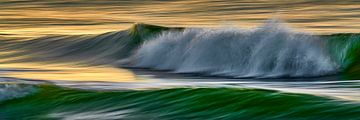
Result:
<point x="11" y="91"/>
<point x="272" y="50"/>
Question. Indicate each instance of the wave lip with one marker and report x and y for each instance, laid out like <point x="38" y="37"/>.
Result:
<point x="272" y="50"/>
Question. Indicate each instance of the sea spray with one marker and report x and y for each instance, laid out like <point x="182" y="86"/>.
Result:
<point x="11" y="91"/>
<point x="272" y="50"/>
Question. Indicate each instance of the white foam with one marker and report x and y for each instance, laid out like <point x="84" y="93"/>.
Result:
<point x="106" y="114"/>
<point x="10" y="91"/>
<point x="271" y="50"/>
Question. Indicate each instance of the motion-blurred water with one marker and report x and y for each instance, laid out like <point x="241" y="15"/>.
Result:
<point x="41" y="17"/>
<point x="195" y="59"/>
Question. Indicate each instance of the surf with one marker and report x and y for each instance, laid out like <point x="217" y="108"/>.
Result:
<point x="273" y="50"/>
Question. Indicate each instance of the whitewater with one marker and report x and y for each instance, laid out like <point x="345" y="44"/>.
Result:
<point x="272" y="50"/>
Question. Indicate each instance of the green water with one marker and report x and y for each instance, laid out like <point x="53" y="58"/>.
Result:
<point x="51" y="102"/>
<point x="345" y="49"/>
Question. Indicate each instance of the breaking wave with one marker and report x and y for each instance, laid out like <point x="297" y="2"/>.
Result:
<point x="269" y="51"/>
<point x="272" y="50"/>
<point x="11" y="91"/>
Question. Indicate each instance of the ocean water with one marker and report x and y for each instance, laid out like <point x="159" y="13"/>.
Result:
<point x="29" y="18"/>
<point x="110" y="60"/>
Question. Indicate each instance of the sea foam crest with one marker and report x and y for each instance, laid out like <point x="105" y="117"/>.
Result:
<point x="11" y="91"/>
<point x="272" y="50"/>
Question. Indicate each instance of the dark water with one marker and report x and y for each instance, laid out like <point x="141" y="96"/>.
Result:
<point x="267" y="60"/>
